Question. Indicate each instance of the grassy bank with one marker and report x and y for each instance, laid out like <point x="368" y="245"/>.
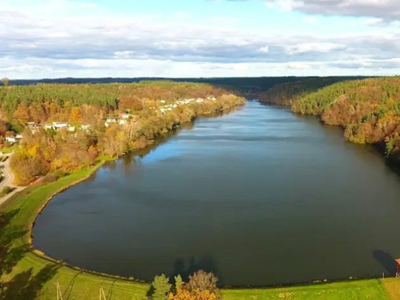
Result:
<point x="35" y="275"/>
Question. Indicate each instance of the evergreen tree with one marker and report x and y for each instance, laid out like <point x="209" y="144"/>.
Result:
<point x="161" y="287"/>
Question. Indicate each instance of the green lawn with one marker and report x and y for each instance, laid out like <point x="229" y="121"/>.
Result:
<point x="28" y="274"/>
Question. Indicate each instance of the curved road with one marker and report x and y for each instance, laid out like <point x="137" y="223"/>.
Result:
<point x="8" y="180"/>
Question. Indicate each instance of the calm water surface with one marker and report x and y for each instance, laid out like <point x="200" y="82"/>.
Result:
<point x="259" y="196"/>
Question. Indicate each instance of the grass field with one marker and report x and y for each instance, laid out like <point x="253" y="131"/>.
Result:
<point x="28" y="274"/>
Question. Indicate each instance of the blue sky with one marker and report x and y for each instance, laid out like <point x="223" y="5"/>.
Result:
<point x="198" y="38"/>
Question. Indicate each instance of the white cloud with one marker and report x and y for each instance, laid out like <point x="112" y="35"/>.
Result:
<point x="39" y="40"/>
<point x="309" y="20"/>
<point x="384" y="9"/>
<point x="264" y="49"/>
<point x="313" y="47"/>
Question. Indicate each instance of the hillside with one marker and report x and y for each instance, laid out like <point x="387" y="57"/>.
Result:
<point x="63" y="127"/>
<point x="368" y="110"/>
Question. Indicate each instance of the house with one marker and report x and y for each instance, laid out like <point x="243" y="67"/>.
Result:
<point x="111" y="120"/>
<point x="122" y="122"/>
<point x="11" y="139"/>
<point x="18" y="136"/>
<point x="163" y="101"/>
<point x="71" y="128"/>
<point x="125" y="116"/>
<point x="58" y="125"/>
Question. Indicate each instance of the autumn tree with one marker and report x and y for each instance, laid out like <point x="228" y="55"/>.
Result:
<point x="203" y="281"/>
<point x="22" y="113"/>
<point x="184" y="294"/>
<point x="75" y="116"/>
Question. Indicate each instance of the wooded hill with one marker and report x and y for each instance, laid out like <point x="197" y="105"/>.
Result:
<point x="287" y="93"/>
<point x="368" y="110"/>
<point x="69" y="126"/>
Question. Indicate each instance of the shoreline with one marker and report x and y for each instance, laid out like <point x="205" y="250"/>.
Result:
<point x="81" y="175"/>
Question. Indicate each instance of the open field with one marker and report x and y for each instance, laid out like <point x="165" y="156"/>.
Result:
<point x="28" y="274"/>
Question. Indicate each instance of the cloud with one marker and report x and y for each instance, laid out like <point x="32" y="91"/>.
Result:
<point x="55" y="38"/>
<point x="382" y="9"/>
<point x="324" y="47"/>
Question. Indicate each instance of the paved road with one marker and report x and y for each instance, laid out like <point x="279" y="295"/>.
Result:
<point x="8" y="180"/>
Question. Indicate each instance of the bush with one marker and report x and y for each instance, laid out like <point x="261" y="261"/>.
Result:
<point x="6" y="190"/>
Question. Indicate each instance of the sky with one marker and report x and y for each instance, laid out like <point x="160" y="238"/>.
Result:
<point x="198" y="38"/>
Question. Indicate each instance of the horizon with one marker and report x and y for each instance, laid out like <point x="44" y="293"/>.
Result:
<point x="53" y="39"/>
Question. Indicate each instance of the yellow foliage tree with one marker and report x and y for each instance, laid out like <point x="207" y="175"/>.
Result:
<point x="75" y="116"/>
<point x="183" y="294"/>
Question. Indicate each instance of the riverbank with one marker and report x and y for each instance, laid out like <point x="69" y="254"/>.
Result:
<point x="42" y="280"/>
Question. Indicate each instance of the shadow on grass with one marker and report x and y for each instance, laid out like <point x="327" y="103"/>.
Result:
<point x="9" y="254"/>
<point x="24" y="285"/>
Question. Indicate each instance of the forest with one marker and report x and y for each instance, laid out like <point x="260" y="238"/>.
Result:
<point x="286" y="93"/>
<point x="64" y="127"/>
<point x="368" y="110"/>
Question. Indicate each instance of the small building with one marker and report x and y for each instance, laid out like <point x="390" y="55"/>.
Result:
<point x="11" y="139"/>
<point x="71" y="128"/>
<point x="125" y="116"/>
<point x="85" y="126"/>
<point x="18" y="136"/>
<point x="111" y="120"/>
<point x="122" y="122"/>
<point x="58" y="125"/>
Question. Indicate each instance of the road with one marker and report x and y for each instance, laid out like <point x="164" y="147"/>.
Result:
<point x="8" y="180"/>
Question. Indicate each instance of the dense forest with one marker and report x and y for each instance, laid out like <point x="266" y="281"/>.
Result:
<point x="64" y="127"/>
<point x="368" y="110"/>
<point x="287" y="93"/>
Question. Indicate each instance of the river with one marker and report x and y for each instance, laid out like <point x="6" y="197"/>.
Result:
<point x="259" y="196"/>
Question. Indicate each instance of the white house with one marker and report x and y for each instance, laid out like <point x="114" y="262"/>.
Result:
<point x="125" y="116"/>
<point x="18" y="136"/>
<point x="71" y="128"/>
<point x="58" y="125"/>
<point x="11" y="139"/>
<point x="111" y="120"/>
<point x="122" y="122"/>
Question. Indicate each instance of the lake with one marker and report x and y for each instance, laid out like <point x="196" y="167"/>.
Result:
<point x="259" y="196"/>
